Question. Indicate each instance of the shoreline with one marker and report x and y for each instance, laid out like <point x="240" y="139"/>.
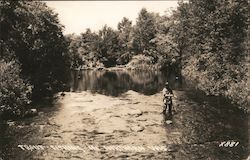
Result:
<point x="118" y="68"/>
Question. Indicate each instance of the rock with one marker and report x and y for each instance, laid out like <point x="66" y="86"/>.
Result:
<point x="63" y="94"/>
<point x="20" y="126"/>
<point x="169" y="122"/>
<point x="142" y="119"/>
<point x="136" y="103"/>
<point x="135" y="112"/>
<point x="176" y="133"/>
<point x="152" y="123"/>
<point x="41" y="128"/>
<point x="47" y="135"/>
<point x="11" y="123"/>
<point x="40" y="113"/>
<point x="137" y="128"/>
<point x="172" y="149"/>
<point x="31" y="113"/>
<point x="115" y="116"/>
<point x="52" y="136"/>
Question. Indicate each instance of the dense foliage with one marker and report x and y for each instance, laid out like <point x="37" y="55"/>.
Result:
<point x="32" y="36"/>
<point x="14" y="91"/>
<point x="213" y="35"/>
<point x="31" y="33"/>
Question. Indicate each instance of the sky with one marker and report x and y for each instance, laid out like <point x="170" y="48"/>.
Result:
<point x="77" y="16"/>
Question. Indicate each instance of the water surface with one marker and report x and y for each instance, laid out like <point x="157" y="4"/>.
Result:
<point x="114" y="83"/>
<point x="199" y="126"/>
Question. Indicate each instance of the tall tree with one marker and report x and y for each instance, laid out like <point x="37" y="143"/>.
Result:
<point x="144" y="31"/>
<point x="124" y="38"/>
<point x="31" y="32"/>
<point x="216" y="32"/>
<point x="124" y="30"/>
<point x="107" y="46"/>
<point x="74" y="46"/>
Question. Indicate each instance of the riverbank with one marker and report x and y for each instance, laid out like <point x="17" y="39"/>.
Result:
<point x="138" y="62"/>
<point x="118" y="68"/>
<point x="134" y="120"/>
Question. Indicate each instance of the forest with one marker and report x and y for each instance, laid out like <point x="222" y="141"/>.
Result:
<point x="205" y="42"/>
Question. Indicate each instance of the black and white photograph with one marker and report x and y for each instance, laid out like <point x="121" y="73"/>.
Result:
<point x="124" y="80"/>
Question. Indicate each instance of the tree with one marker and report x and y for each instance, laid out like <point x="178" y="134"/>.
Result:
<point x="124" y="40"/>
<point x="32" y="34"/>
<point x="124" y="30"/>
<point x="144" y="31"/>
<point x="214" y="49"/>
<point x="74" y="45"/>
<point x="107" y="46"/>
<point x="89" y="41"/>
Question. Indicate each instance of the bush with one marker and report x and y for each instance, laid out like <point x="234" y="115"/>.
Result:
<point x="124" y="58"/>
<point x="239" y="93"/>
<point x="14" y="91"/>
<point x="140" y="61"/>
<point x="224" y="85"/>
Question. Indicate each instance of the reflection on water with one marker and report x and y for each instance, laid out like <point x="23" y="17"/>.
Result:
<point x="115" y="83"/>
<point x="199" y="126"/>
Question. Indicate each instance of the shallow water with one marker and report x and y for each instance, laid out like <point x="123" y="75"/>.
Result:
<point x="201" y="123"/>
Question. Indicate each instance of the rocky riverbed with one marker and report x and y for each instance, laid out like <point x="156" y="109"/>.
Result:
<point x="129" y="126"/>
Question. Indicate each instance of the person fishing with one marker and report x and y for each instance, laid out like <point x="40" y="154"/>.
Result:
<point x="167" y="99"/>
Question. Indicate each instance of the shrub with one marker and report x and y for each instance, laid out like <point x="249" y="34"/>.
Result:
<point x="140" y="62"/>
<point x="224" y="84"/>
<point x="124" y="58"/>
<point x="239" y="93"/>
<point x="14" y="91"/>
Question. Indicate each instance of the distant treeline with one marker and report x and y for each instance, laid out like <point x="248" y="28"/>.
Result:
<point x="150" y="37"/>
<point x="205" y="41"/>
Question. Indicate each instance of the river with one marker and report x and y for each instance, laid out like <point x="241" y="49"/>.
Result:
<point x="106" y="109"/>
